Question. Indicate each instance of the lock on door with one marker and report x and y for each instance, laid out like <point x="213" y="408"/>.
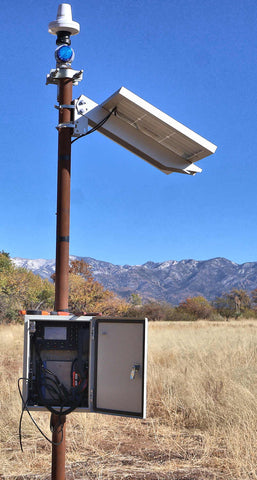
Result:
<point x="135" y="369"/>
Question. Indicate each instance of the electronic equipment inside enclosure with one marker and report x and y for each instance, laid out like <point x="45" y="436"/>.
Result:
<point x="85" y="364"/>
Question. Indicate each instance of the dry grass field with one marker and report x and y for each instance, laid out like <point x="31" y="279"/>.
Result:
<point x="202" y="413"/>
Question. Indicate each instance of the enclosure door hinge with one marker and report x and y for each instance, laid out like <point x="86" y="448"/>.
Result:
<point x="92" y="332"/>
<point x="91" y="399"/>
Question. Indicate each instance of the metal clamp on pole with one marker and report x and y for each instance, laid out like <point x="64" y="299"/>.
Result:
<point x="65" y="125"/>
<point x="56" y="74"/>
<point x="60" y="107"/>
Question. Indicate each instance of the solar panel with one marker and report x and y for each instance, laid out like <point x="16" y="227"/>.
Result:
<point x="149" y="133"/>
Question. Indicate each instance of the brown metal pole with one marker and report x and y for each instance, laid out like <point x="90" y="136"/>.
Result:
<point x="58" y="426"/>
<point x="62" y="254"/>
<point x="63" y="198"/>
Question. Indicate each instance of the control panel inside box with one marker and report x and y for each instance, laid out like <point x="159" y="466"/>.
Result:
<point x="58" y="363"/>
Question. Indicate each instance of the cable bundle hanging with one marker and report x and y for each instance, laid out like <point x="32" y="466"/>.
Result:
<point x="97" y="126"/>
<point x="50" y="386"/>
<point x="25" y="408"/>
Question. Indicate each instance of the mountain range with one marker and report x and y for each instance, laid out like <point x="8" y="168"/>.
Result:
<point x="171" y="281"/>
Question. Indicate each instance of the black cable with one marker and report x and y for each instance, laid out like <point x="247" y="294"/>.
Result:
<point x="20" y="423"/>
<point x="97" y="126"/>
<point x="63" y="395"/>
<point x="58" y="389"/>
<point x="55" y="389"/>
<point x="62" y="411"/>
<point x="25" y="407"/>
<point x="53" y="392"/>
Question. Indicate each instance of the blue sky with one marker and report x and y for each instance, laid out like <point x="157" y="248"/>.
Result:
<point x="197" y="61"/>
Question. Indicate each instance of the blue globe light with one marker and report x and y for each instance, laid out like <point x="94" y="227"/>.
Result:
<point x="64" y="53"/>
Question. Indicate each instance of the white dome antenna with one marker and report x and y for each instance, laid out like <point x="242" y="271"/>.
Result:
<point x="64" y="22"/>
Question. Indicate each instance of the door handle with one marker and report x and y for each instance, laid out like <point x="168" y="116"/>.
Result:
<point x="135" y="369"/>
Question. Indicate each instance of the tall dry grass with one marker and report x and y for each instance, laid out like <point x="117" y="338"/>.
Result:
<point x="205" y="378"/>
<point x="202" y="412"/>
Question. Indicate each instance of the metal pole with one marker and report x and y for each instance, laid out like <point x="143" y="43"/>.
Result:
<point x="63" y="76"/>
<point x="63" y="198"/>
<point x="62" y="253"/>
<point x="58" y="426"/>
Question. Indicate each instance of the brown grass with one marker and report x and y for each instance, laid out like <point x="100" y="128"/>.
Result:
<point x="202" y="413"/>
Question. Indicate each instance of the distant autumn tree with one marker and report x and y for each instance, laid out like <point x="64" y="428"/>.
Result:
<point x="153" y="310"/>
<point x="82" y="269"/>
<point x="135" y="299"/>
<point x="233" y="304"/>
<point x="197" y="307"/>
<point x="5" y="262"/>
<point x="157" y="311"/>
<point x="88" y="295"/>
<point x="254" y="296"/>
<point x="20" y="289"/>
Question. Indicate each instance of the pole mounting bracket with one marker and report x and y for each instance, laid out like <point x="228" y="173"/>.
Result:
<point x="78" y="128"/>
<point x="60" y="107"/>
<point x="65" y="125"/>
<point x="53" y="78"/>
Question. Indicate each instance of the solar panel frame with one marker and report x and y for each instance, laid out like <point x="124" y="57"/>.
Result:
<point x="144" y="116"/>
<point x="147" y="132"/>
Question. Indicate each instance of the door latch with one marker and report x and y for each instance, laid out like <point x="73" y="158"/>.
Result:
<point x="135" y="369"/>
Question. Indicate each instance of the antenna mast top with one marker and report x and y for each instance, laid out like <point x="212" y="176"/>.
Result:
<point x="64" y="22"/>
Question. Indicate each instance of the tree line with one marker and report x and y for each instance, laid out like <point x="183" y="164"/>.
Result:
<point x="20" y="289"/>
<point x="234" y="304"/>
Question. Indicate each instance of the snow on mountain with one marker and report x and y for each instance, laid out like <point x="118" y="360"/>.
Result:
<point x="171" y="281"/>
<point x="39" y="266"/>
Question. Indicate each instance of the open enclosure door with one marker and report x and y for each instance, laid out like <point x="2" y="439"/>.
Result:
<point x="119" y="352"/>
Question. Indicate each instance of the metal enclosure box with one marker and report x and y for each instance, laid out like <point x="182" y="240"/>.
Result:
<point x="88" y="363"/>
